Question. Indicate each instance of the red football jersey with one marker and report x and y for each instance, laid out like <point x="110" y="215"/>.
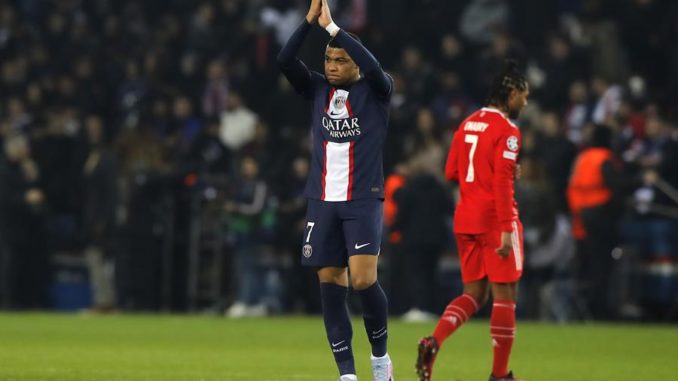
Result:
<point x="482" y="159"/>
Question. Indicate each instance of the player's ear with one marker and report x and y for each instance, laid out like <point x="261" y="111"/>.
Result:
<point x="513" y="94"/>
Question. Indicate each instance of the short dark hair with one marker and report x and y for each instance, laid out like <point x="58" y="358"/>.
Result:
<point x="509" y="78"/>
<point x="335" y="44"/>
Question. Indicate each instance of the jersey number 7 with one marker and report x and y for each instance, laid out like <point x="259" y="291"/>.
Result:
<point x="473" y="140"/>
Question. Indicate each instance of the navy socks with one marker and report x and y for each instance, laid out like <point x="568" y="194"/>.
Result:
<point x="375" y="315"/>
<point x="338" y="322"/>
<point x="338" y="325"/>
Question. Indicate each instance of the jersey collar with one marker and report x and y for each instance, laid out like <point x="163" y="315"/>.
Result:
<point x="492" y="109"/>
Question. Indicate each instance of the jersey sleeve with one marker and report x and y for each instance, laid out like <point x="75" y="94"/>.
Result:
<point x="381" y="82"/>
<point x="294" y="69"/>
<point x="506" y="151"/>
<point x="452" y="165"/>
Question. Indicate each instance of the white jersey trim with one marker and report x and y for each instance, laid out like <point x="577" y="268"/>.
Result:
<point x="337" y="156"/>
<point x="517" y="250"/>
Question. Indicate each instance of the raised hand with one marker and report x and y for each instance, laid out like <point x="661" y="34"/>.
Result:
<point x="325" y="18"/>
<point x="314" y="11"/>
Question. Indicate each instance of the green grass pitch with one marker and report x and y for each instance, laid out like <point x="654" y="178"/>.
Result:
<point x="167" y="348"/>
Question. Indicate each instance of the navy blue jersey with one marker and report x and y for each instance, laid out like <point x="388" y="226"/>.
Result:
<point x="348" y="123"/>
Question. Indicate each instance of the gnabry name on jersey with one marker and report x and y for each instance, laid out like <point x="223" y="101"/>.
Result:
<point x="475" y="126"/>
<point x="341" y="123"/>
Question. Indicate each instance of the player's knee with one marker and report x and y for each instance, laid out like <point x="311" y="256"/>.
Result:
<point x="362" y="282"/>
<point x="479" y="295"/>
<point x="481" y="299"/>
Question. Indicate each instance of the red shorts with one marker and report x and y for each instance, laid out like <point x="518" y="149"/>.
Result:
<point x="479" y="259"/>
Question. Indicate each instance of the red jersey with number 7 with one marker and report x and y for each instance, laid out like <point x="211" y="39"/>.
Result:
<point x="482" y="159"/>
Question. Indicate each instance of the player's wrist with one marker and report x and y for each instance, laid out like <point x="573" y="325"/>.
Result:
<point x="332" y="29"/>
<point x="311" y="18"/>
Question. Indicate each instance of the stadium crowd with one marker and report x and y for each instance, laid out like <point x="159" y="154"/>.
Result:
<point x="117" y="118"/>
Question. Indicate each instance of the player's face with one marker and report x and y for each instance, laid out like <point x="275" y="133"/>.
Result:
<point x="517" y="101"/>
<point x="339" y="67"/>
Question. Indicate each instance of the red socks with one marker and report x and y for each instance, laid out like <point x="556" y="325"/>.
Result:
<point x="502" y="327"/>
<point x="457" y="313"/>
<point x="502" y="330"/>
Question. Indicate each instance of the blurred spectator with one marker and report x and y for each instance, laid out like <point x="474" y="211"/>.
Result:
<point x="655" y="226"/>
<point x="424" y="214"/>
<point x="578" y="112"/>
<point x="482" y="18"/>
<point x="452" y="104"/>
<point x="547" y="238"/>
<point x="424" y="148"/>
<point x="216" y="89"/>
<point x="238" y="123"/>
<point x="98" y="220"/>
<point x="187" y="126"/>
<point x="245" y="218"/>
<point x="561" y="66"/>
<point x="393" y="249"/>
<point x="18" y="119"/>
<point x="609" y="97"/>
<point x="286" y="112"/>
<point x="557" y="155"/>
<point x="283" y="20"/>
<point x="22" y="212"/>
<point x="208" y="154"/>
<point x="419" y="76"/>
<point x="601" y="36"/>
<point x="144" y="183"/>
<point x="593" y="196"/>
<point x="202" y="28"/>
<point x="301" y="283"/>
<point x="453" y="57"/>
<point x="59" y="152"/>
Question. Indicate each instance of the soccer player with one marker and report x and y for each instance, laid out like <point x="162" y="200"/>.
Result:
<point x="482" y="159"/>
<point x="345" y="188"/>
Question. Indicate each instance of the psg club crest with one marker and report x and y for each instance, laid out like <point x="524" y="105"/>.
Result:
<point x="307" y="251"/>
<point x="337" y="108"/>
<point x="512" y="143"/>
<point x="339" y="103"/>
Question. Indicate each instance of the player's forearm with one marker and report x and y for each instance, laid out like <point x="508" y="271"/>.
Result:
<point x="366" y="61"/>
<point x="295" y="70"/>
<point x="503" y="198"/>
<point x="288" y="53"/>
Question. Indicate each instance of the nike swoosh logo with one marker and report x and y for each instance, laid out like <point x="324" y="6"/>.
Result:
<point x="339" y="343"/>
<point x="358" y="247"/>
<point x="332" y="113"/>
<point x="379" y="331"/>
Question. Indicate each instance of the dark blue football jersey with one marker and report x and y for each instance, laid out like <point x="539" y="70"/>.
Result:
<point x="349" y="129"/>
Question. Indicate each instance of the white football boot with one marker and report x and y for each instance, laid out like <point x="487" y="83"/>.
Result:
<point x="382" y="368"/>
<point x="348" y="377"/>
